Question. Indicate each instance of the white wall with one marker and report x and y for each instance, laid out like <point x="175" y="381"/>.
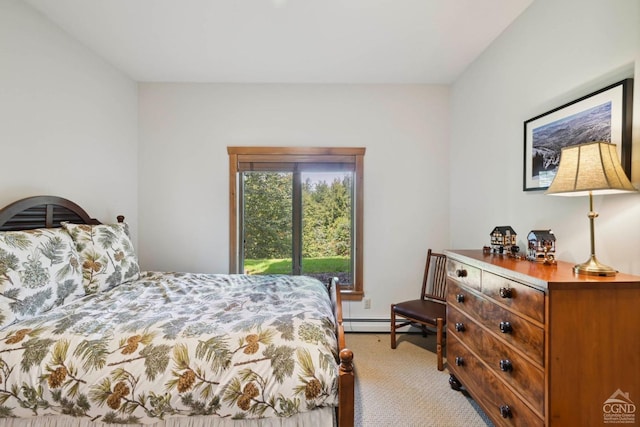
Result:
<point x="68" y="120"/>
<point x="556" y="52"/>
<point x="183" y="170"/>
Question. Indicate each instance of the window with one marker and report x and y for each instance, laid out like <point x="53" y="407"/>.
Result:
<point x="292" y="184"/>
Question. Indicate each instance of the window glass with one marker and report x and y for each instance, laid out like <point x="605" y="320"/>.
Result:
<point x="327" y="225"/>
<point x="297" y="210"/>
<point x="298" y="229"/>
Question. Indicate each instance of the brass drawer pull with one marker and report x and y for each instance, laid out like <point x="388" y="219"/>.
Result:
<point x="505" y="327"/>
<point x="460" y="327"/>
<point x="461" y="272"/>
<point x="506" y="365"/>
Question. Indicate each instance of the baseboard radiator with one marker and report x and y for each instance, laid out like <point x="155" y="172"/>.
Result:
<point x="366" y="325"/>
<point x="373" y="325"/>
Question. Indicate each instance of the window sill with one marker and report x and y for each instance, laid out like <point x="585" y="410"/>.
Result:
<point x="351" y="295"/>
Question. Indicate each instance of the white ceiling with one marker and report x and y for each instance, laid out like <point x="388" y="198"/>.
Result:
<point x="286" y="41"/>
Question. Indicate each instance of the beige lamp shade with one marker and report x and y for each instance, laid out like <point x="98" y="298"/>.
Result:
<point x="586" y="170"/>
<point x="593" y="168"/>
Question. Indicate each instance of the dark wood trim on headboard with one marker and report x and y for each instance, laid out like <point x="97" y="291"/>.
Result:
<point x="42" y="212"/>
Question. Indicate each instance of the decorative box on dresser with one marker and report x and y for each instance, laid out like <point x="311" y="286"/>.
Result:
<point x="537" y="344"/>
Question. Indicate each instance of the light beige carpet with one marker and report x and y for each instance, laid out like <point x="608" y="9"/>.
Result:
<point x="403" y="387"/>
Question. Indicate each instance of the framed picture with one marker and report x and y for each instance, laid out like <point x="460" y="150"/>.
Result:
<point x="604" y="115"/>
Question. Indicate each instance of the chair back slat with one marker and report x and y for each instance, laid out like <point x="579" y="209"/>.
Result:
<point x="434" y="284"/>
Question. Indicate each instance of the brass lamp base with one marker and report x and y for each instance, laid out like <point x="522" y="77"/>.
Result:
<point x="594" y="268"/>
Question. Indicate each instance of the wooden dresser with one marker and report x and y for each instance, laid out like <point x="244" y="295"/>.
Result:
<point x="538" y="345"/>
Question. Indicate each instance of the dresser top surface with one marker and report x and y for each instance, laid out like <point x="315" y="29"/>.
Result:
<point x="554" y="276"/>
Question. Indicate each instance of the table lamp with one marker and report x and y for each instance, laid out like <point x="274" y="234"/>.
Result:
<point x="588" y="169"/>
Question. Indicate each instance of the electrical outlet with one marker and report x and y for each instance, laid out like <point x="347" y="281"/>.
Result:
<point x="367" y="303"/>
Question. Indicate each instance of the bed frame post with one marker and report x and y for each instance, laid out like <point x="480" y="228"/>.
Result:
<point x="346" y="388"/>
<point x="346" y="379"/>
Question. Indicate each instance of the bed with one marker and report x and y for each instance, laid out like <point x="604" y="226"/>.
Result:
<point x="87" y="339"/>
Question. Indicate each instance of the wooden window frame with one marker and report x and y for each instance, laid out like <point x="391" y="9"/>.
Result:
<point x="354" y="155"/>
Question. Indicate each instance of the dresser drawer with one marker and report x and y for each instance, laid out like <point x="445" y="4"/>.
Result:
<point x="500" y="404"/>
<point x="520" y="333"/>
<point x="515" y="295"/>
<point x="464" y="273"/>
<point x="507" y="364"/>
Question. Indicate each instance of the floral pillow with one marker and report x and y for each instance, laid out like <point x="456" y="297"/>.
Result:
<point x="39" y="269"/>
<point x="106" y="254"/>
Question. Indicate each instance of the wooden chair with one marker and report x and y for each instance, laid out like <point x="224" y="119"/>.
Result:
<point x="430" y="310"/>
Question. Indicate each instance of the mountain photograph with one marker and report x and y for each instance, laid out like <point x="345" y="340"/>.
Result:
<point x="548" y="140"/>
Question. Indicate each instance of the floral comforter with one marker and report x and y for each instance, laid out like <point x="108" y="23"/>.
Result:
<point x="174" y="344"/>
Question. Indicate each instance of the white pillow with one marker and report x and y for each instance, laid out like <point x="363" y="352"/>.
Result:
<point x="39" y="269"/>
<point x="106" y="254"/>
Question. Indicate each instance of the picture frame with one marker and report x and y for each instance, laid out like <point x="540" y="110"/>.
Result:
<point x="604" y="115"/>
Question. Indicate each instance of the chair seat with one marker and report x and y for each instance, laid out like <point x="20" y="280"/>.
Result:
<point x="422" y="310"/>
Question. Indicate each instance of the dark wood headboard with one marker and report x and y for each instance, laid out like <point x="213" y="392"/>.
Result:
<point x="42" y="212"/>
